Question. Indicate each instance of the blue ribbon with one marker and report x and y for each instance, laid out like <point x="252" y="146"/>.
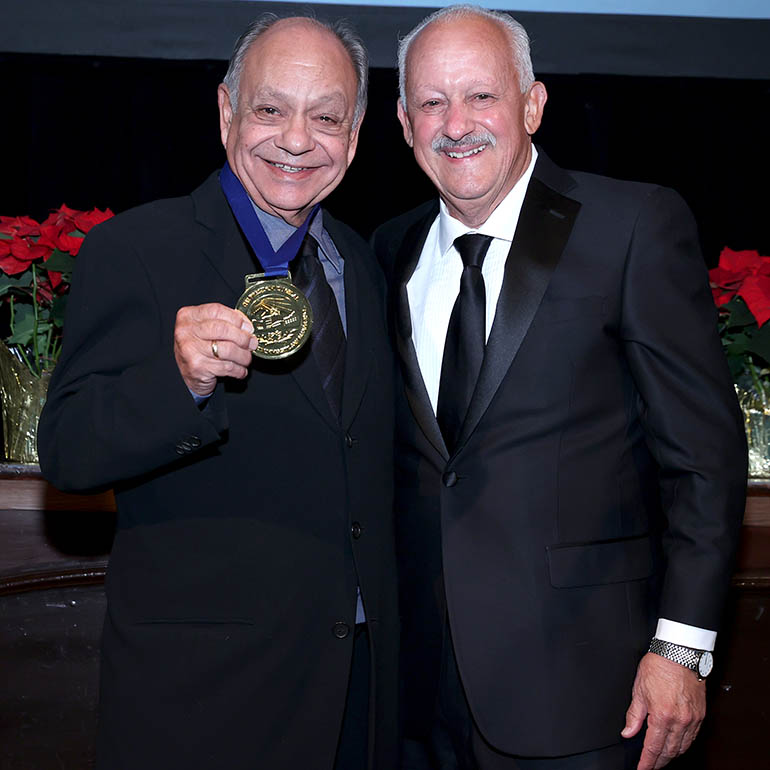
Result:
<point x="273" y="262"/>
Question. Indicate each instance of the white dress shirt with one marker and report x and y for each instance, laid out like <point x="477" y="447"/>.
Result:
<point x="432" y="291"/>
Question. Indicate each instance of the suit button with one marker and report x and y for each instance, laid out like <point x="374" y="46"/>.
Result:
<point x="194" y="442"/>
<point x="341" y="630"/>
<point x="348" y="441"/>
<point x="355" y="530"/>
<point x="449" y="479"/>
<point x="182" y="448"/>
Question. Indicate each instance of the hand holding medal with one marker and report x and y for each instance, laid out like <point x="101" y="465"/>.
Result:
<point x="212" y="341"/>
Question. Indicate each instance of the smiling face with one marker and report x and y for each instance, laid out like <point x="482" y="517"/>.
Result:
<point x="291" y="138"/>
<point x="466" y="118"/>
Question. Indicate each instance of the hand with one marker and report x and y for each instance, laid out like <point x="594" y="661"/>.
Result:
<point x="196" y="328"/>
<point x="674" y="702"/>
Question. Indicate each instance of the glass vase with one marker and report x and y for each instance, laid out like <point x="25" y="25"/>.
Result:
<point x="756" y="416"/>
<point x="23" y="396"/>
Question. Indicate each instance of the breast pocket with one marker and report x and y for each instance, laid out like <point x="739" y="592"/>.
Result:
<point x="563" y="309"/>
<point x="601" y="562"/>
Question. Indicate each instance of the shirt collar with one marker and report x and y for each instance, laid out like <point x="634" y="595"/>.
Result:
<point x="501" y="222"/>
<point x="278" y="232"/>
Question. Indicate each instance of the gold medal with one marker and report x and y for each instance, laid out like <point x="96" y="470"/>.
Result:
<point x="280" y="313"/>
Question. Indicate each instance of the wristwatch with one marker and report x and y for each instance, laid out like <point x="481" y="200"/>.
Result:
<point x="699" y="661"/>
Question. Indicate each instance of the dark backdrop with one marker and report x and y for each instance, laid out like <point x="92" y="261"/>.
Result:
<point x="116" y="132"/>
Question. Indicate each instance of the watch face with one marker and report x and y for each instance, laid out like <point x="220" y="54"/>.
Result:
<point x="705" y="664"/>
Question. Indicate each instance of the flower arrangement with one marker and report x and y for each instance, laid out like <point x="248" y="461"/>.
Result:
<point x="741" y="288"/>
<point x="36" y="263"/>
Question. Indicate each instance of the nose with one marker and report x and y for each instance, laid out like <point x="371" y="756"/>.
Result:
<point x="295" y="138"/>
<point x="458" y="121"/>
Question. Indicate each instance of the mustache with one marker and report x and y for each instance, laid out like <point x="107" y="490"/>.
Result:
<point x="444" y="143"/>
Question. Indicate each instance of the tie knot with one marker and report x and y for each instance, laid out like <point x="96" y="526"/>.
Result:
<point x="473" y="248"/>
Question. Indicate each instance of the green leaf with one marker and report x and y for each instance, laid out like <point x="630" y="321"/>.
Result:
<point x="740" y="315"/>
<point x="23" y="325"/>
<point x="737" y="365"/>
<point x="8" y="282"/>
<point x="60" y="262"/>
<point x="58" y="309"/>
<point x="759" y="344"/>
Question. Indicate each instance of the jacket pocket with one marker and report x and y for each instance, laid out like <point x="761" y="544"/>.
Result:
<point x="600" y="562"/>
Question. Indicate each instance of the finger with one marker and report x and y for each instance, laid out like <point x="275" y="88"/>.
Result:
<point x="635" y="715"/>
<point x="222" y="350"/>
<point x="670" y="748"/>
<point x="217" y="311"/>
<point x="689" y="734"/>
<point x="228" y="369"/>
<point x="218" y="330"/>
<point x="654" y="741"/>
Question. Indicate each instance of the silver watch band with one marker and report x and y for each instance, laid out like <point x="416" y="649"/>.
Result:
<point x="685" y="656"/>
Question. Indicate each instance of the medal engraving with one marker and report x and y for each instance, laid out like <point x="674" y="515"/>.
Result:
<point x="280" y="313"/>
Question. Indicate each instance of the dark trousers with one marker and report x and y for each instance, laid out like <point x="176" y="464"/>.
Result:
<point x="353" y="747"/>
<point x="455" y="743"/>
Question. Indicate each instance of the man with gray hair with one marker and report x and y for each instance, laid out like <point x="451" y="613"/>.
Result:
<point x="570" y="465"/>
<point x="237" y="394"/>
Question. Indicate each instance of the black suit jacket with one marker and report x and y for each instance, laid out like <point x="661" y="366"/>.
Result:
<point x="232" y="581"/>
<point x="599" y="480"/>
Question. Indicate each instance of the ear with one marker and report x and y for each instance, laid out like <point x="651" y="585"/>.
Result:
<point x="354" y="140"/>
<point x="225" y="112"/>
<point x="403" y="118"/>
<point x="534" y="106"/>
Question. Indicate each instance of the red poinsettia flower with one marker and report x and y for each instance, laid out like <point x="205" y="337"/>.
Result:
<point x="28" y="251"/>
<point x="85" y="220"/>
<point x="55" y="278"/>
<point x="8" y="262"/>
<point x="63" y="218"/>
<point x="747" y="275"/>
<point x="44" y="292"/>
<point x="19" y="226"/>
<point x="55" y="237"/>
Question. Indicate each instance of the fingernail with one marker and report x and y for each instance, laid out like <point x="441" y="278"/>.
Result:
<point x="246" y="326"/>
<point x="252" y="343"/>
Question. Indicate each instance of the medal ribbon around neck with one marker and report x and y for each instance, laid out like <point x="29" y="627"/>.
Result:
<point x="273" y="262"/>
<point x="278" y="310"/>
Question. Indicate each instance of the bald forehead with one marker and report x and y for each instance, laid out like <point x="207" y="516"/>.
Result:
<point x="295" y="32"/>
<point x="463" y="27"/>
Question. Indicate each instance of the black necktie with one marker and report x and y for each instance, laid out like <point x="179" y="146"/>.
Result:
<point x="327" y="339"/>
<point x="465" y="340"/>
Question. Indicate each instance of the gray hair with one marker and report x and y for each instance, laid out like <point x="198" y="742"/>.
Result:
<point x="517" y="36"/>
<point x="341" y="29"/>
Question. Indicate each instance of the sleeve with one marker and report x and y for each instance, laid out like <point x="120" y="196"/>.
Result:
<point x="688" y="405"/>
<point x="117" y="406"/>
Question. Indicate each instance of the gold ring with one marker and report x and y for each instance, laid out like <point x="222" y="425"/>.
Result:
<point x="215" y="349"/>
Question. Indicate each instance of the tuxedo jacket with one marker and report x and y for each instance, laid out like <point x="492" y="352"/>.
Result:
<point x="244" y="527"/>
<point x="599" y="479"/>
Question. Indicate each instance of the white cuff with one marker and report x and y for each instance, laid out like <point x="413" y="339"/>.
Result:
<point x="684" y="635"/>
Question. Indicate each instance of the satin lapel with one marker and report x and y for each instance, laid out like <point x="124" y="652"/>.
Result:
<point x="544" y="227"/>
<point x="419" y="401"/>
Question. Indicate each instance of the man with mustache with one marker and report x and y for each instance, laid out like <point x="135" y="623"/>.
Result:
<point x="251" y="589"/>
<point x="570" y="471"/>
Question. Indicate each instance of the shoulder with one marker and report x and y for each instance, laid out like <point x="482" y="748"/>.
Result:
<point x="388" y="237"/>
<point x="619" y="200"/>
<point x="161" y="220"/>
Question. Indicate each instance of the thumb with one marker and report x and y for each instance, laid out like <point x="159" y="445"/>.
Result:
<point x="635" y="715"/>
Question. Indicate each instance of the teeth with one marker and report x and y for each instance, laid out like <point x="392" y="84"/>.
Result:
<point x="290" y="169"/>
<point x="467" y="154"/>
